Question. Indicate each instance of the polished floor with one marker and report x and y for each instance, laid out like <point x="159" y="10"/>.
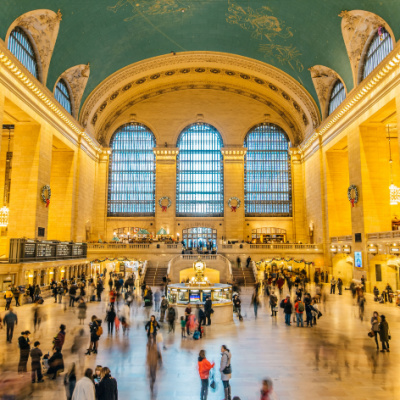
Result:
<point x="333" y="360"/>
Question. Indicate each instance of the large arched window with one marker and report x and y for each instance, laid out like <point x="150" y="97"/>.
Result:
<point x="380" y="46"/>
<point x="268" y="184"/>
<point x="338" y="94"/>
<point x="131" y="187"/>
<point x="200" y="182"/>
<point x="61" y="93"/>
<point x="20" y="45"/>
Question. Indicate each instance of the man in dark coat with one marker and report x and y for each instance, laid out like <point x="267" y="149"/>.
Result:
<point x="10" y="320"/>
<point x="207" y="309"/>
<point x="36" y="355"/>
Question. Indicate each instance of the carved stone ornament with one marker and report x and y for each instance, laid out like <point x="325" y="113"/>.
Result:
<point x="323" y="79"/>
<point x="76" y="77"/>
<point x="357" y="28"/>
<point x="243" y="69"/>
<point x="42" y="27"/>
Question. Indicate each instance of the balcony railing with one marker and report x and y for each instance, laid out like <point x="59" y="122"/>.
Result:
<point x="337" y="239"/>
<point x="383" y="235"/>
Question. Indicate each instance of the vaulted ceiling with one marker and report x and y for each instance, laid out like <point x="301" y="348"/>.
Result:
<point x="292" y="35"/>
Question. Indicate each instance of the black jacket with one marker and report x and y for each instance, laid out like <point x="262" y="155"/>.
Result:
<point x="23" y="343"/>
<point x="107" y="389"/>
<point x="208" y="306"/>
<point x="287" y="308"/>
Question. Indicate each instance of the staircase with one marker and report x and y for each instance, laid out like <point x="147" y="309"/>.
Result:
<point x="154" y="275"/>
<point x="243" y="276"/>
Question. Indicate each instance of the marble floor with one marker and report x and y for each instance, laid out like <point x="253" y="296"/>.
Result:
<point x="334" y="360"/>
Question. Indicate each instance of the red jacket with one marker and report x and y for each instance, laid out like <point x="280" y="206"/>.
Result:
<point x="204" y="368"/>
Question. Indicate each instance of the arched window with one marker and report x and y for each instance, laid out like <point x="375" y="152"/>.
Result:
<point x="338" y="94"/>
<point x="131" y="187"/>
<point x="380" y="46"/>
<point x="268" y="184"/>
<point x="20" y="45"/>
<point x="200" y="179"/>
<point x="61" y="93"/>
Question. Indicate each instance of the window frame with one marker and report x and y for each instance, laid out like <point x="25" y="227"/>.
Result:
<point x="152" y="171"/>
<point x="259" y="198"/>
<point x="336" y="95"/>
<point x="365" y="57"/>
<point x="219" y="203"/>
<point x="33" y="57"/>
<point x="69" y="99"/>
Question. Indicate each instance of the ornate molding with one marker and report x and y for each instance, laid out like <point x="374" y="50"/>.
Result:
<point x="77" y="78"/>
<point x="166" y="153"/>
<point x="239" y="67"/>
<point x="323" y="79"/>
<point x="104" y="133"/>
<point x="42" y="26"/>
<point x="234" y="154"/>
<point x="357" y="28"/>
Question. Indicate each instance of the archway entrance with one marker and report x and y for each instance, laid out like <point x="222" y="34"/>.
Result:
<point x="200" y="238"/>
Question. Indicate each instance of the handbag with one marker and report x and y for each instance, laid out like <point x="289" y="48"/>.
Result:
<point x="213" y="384"/>
<point x="371" y="333"/>
<point x="227" y="370"/>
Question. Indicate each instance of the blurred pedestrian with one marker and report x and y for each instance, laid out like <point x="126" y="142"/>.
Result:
<point x="36" y="355"/>
<point x="208" y="309"/>
<point x="10" y="320"/>
<point x="183" y="327"/>
<point x="204" y="367"/>
<point x="59" y="339"/>
<point x="152" y="363"/>
<point x="287" y="309"/>
<point x="171" y="318"/>
<point x="107" y="388"/>
<point x="70" y="382"/>
<point x="24" y="350"/>
<point x="110" y="318"/>
<point x="56" y="363"/>
<point x="8" y="296"/>
<point x="84" y="389"/>
<point x="255" y="302"/>
<point x="384" y="334"/>
<point x="375" y="320"/>
<point x="226" y="370"/>
<point x="82" y="311"/>
<point x="152" y="328"/>
<point x="267" y="391"/>
<point x="96" y="331"/>
<point x="37" y="316"/>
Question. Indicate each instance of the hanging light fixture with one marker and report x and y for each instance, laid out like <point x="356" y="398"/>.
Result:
<point x="4" y="211"/>
<point x="393" y="189"/>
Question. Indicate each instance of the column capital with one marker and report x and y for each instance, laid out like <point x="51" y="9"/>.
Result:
<point x="165" y="153"/>
<point x="234" y="153"/>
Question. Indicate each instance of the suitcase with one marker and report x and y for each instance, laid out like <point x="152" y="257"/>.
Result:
<point x="40" y="300"/>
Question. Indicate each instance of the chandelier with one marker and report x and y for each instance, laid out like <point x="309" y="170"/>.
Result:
<point x="393" y="189"/>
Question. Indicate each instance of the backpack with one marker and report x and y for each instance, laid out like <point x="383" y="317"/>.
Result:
<point x="300" y="307"/>
<point x="282" y="305"/>
<point x="99" y="331"/>
<point x="196" y="335"/>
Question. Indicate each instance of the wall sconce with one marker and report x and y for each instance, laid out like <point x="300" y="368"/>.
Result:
<point x="373" y="249"/>
<point x="394" y="248"/>
<point x="346" y="248"/>
<point x="333" y="249"/>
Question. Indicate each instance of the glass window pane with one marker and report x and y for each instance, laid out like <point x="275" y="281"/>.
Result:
<point x="61" y="94"/>
<point x="199" y="190"/>
<point x="20" y="45"/>
<point x="131" y="187"/>
<point x="381" y="45"/>
<point x="268" y="183"/>
<point x="338" y="95"/>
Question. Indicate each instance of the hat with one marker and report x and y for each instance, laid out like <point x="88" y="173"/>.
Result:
<point x="26" y="333"/>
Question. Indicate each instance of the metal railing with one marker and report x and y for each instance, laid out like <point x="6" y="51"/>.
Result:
<point x="383" y="235"/>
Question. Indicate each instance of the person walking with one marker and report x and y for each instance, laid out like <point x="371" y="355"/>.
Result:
<point x="287" y="309"/>
<point x="152" y="363"/>
<point x="375" y="320"/>
<point x="37" y="293"/>
<point x="36" y="355"/>
<point x="84" y="389"/>
<point x="267" y="391"/>
<point x="361" y="306"/>
<point x="163" y="308"/>
<point x="59" y="339"/>
<point x="340" y="285"/>
<point x="37" y="316"/>
<point x="384" y="334"/>
<point x="107" y="388"/>
<point x="171" y="318"/>
<point x="333" y="285"/>
<point x="204" y="367"/>
<point x="255" y="301"/>
<point x="309" y="309"/>
<point x="95" y="332"/>
<point x="110" y="318"/>
<point x="152" y="328"/>
<point x="8" y="296"/>
<point x="70" y="382"/>
<point x="208" y="309"/>
<point x="299" y="307"/>
<point x="273" y="302"/>
<point x="10" y="320"/>
<point x="24" y="350"/>
<point x="82" y="307"/>
<point x="157" y="299"/>
<point x="226" y="370"/>
<point x="16" y="294"/>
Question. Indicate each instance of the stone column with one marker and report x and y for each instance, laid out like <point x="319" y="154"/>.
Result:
<point x="234" y="187"/>
<point x="166" y="187"/>
<point x="32" y="153"/>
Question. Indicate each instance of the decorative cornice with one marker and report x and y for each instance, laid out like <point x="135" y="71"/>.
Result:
<point x="196" y="62"/>
<point x="234" y="153"/>
<point x="20" y="73"/>
<point x="166" y="153"/>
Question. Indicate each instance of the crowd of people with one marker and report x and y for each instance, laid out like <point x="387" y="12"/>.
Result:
<point x="79" y="293"/>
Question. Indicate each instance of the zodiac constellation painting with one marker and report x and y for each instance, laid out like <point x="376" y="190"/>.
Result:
<point x="149" y="7"/>
<point x="265" y="26"/>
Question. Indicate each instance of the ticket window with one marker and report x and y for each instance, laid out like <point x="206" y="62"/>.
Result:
<point x="194" y="296"/>
<point x="183" y="296"/>
<point x="222" y="295"/>
<point x="172" y="296"/>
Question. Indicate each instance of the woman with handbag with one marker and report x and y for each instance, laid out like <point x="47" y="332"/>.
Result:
<point x="204" y="371"/>
<point x="375" y="327"/>
<point x="226" y="370"/>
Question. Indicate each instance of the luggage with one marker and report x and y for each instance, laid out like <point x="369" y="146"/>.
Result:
<point x="40" y="300"/>
<point x="196" y="335"/>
